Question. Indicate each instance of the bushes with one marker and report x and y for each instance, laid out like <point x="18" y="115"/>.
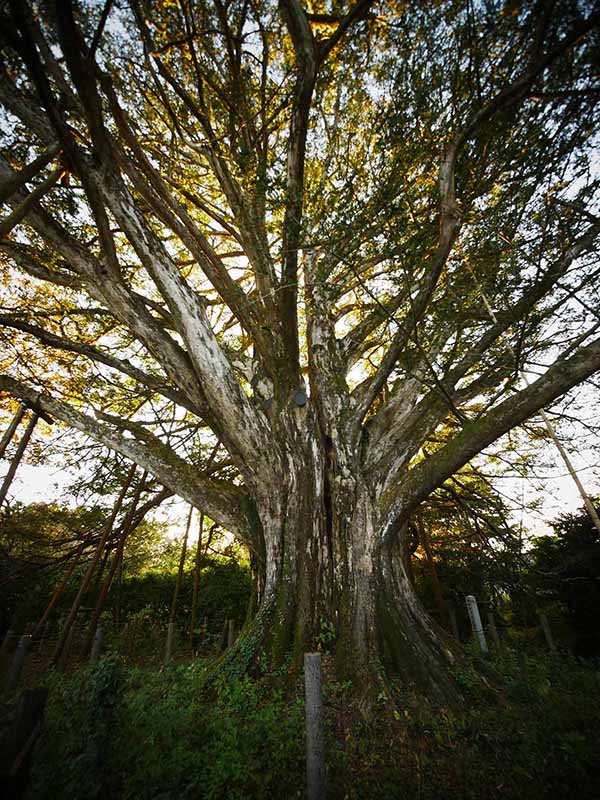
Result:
<point x="168" y="736"/>
<point x="170" y="739"/>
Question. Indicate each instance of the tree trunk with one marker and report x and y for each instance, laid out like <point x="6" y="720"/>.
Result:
<point x="330" y="583"/>
<point x="196" y="587"/>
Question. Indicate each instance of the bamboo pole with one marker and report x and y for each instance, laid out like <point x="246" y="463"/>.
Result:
<point x="85" y="582"/>
<point x="16" y="460"/>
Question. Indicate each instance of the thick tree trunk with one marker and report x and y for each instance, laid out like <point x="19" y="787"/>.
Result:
<point x="330" y="583"/>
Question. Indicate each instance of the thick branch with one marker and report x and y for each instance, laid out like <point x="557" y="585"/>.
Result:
<point x="475" y="436"/>
<point x="226" y="503"/>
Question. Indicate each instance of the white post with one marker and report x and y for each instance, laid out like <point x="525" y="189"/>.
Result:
<point x="476" y="622"/>
<point x="315" y="752"/>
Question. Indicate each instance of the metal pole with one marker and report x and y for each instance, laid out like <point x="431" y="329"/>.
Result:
<point x="315" y="751"/>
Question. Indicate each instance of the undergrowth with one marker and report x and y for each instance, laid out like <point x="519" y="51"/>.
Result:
<point x="117" y="732"/>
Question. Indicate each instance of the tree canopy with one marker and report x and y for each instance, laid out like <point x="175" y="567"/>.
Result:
<point x="291" y="259"/>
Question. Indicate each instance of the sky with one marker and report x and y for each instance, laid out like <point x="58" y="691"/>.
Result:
<point x="554" y="489"/>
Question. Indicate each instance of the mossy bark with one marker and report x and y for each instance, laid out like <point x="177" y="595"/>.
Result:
<point x="330" y="583"/>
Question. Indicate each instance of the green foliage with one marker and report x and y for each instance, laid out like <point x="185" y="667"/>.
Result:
<point x="565" y="571"/>
<point x="171" y="739"/>
<point x="224" y="593"/>
<point x="165" y="734"/>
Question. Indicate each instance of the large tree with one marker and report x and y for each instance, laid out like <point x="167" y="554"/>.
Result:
<point x="322" y="238"/>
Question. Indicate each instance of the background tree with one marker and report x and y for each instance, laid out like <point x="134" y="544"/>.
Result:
<point x="273" y="227"/>
<point x="565" y="569"/>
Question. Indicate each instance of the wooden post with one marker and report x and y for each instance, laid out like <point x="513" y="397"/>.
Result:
<point x="96" y="646"/>
<point x="10" y="431"/>
<point x="169" y="645"/>
<point x="476" y="622"/>
<point x="315" y="751"/>
<point x="493" y="630"/>
<point x="230" y="633"/>
<point x="8" y="479"/>
<point x="547" y="632"/>
<point x="18" y="661"/>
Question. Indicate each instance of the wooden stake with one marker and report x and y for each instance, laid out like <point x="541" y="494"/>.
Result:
<point x="315" y="751"/>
